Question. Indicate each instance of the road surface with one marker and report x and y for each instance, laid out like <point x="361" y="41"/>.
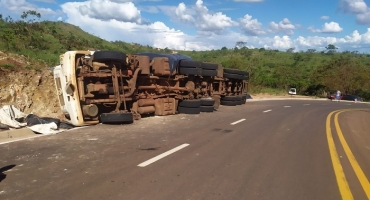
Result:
<point x="281" y="150"/>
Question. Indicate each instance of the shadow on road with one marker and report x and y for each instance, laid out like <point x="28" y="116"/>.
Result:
<point x="4" y="169"/>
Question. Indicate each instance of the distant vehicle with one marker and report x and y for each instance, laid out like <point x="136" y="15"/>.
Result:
<point x="333" y="96"/>
<point x="292" y="91"/>
<point x="351" y="98"/>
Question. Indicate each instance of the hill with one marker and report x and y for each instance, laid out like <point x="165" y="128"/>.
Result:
<point x="30" y="47"/>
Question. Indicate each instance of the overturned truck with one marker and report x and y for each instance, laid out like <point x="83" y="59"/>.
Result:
<point x="114" y="87"/>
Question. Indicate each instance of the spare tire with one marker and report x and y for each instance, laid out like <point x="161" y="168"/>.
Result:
<point x="190" y="63"/>
<point x="236" y="71"/>
<point x="116" y="118"/>
<point x="186" y="110"/>
<point x="207" y="72"/>
<point x="109" y="55"/>
<point x="190" y="71"/>
<point x="234" y="76"/>
<point x="207" y="65"/>
<point x="195" y="103"/>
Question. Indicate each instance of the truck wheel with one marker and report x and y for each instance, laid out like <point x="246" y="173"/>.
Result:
<point x="217" y="99"/>
<point x="190" y="63"/>
<point x="231" y="98"/>
<point x="195" y="103"/>
<point x="186" y="110"/>
<point x="207" y="72"/>
<point x="207" y="108"/>
<point x="240" y="102"/>
<point x="207" y="102"/>
<point x="109" y="55"/>
<point x="236" y="71"/>
<point x="244" y="99"/>
<point x="190" y="71"/>
<point x="206" y="65"/>
<point x="234" y="76"/>
<point x="228" y="103"/>
<point x="116" y="118"/>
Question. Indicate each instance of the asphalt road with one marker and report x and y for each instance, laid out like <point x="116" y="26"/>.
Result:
<point x="281" y="150"/>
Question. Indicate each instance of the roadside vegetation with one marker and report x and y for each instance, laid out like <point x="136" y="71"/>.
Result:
<point x="312" y="72"/>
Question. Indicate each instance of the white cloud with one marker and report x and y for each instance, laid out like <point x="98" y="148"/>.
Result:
<point x="200" y="17"/>
<point x="149" y="9"/>
<point x="126" y="24"/>
<point x="324" y="17"/>
<point x="364" y="18"/>
<point x="357" y="7"/>
<point x="249" y="1"/>
<point x="180" y="12"/>
<point x="19" y="6"/>
<point x="46" y="1"/>
<point x="284" y="26"/>
<point x="108" y="10"/>
<point x="331" y="27"/>
<point x="251" y="26"/>
<point x="353" y="6"/>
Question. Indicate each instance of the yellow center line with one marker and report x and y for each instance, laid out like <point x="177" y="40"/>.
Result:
<point x="338" y="169"/>
<point x="356" y="167"/>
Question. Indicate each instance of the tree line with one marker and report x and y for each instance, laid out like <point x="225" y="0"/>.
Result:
<point x="312" y="72"/>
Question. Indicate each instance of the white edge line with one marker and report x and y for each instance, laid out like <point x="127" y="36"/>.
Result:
<point x="22" y="139"/>
<point x="160" y="156"/>
<point x="237" y="121"/>
<point x="40" y="135"/>
<point x="267" y="111"/>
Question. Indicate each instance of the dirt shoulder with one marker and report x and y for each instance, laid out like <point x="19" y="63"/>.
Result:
<point x="267" y="96"/>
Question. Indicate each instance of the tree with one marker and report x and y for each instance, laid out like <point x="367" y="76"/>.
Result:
<point x="240" y="44"/>
<point x="290" y="50"/>
<point x="331" y="49"/>
<point x="311" y="50"/>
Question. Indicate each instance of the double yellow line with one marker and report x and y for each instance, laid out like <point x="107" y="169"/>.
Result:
<point x="344" y="189"/>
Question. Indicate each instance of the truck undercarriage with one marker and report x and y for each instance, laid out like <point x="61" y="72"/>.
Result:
<point x="112" y="87"/>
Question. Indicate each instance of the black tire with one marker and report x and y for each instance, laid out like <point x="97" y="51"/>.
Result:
<point x="234" y="76"/>
<point x="246" y="77"/>
<point x="207" y="102"/>
<point x="109" y="55"/>
<point x="116" y="118"/>
<point x="207" y="109"/>
<point x="190" y="71"/>
<point x="244" y="99"/>
<point x="240" y="102"/>
<point x="231" y="98"/>
<point x="206" y="65"/>
<point x="186" y="110"/>
<point x="228" y="103"/>
<point x="206" y="72"/>
<point x="236" y="71"/>
<point x="190" y="64"/>
<point x="195" y="103"/>
<point x="217" y="99"/>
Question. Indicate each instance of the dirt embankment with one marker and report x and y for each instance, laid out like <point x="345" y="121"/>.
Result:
<point x="29" y="90"/>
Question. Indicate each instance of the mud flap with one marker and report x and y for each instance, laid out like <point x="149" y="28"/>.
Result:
<point x="165" y="106"/>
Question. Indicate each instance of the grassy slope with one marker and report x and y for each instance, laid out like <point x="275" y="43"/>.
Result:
<point x="267" y="67"/>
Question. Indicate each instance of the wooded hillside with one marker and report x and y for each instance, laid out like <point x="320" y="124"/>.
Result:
<point x="312" y="72"/>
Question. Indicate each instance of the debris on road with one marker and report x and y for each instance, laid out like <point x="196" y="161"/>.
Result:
<point x="12" y="118"/>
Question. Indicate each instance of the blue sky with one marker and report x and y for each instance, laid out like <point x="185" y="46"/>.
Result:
<point x="213" y="24"/>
